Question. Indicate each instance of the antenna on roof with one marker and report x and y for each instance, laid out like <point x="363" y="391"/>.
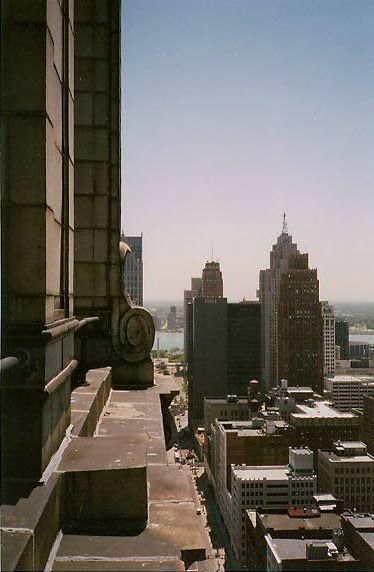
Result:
<point x="285" y="227"/>
<point x="212" y="249"/>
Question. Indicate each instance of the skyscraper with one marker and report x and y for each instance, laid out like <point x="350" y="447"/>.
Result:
<point x="133" y="268"/>
<point x="189" y="295"/>
<point x="328" y="318"/>
<point x="212" y="283"/>
<point x="342" y="338"/>
<point x="224" y="349"/>
<point x="300" y="328"/>
<point x="243" y="346"/>
<point x="268" y="294"/>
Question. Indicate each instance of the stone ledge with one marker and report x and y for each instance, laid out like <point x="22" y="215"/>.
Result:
<point x="88" y="401"/>
<point x="105" y="484"/>
<point x="16" y="550"/>
<point x="38" y="513"/>
<point x="134" y="565"/>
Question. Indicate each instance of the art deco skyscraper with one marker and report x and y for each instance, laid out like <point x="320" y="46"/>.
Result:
<point x="300" y="325"/>
<point x="268" y="294"/>
<point x="212" y="283"/>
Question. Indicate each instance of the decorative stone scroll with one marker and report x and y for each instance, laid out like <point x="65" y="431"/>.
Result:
<point x="133" y="334"/>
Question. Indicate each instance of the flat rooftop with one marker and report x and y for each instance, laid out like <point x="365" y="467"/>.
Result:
<point x="295" y="389"/>
<point x="245" y="428"/>
<point x="223" y="401"/>
<point x="274" y="473"/>
<point x="364" y="522"/>
<point x="350" y="378"/>
<point x="282" y="521"/>
<point x="295" y="549"/>
<point x="334" y="458"/>
<point x="321" y="409"/>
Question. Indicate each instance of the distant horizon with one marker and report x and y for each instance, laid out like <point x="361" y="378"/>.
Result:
<point x="180" y="301"/>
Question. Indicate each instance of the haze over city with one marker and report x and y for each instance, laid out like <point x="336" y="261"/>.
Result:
<point x="235" y="112"/>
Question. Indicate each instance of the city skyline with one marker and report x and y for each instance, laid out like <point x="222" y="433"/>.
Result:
<point x="235" y="113"/>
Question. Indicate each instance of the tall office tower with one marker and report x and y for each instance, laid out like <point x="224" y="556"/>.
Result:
<point x="342" y="338"/>
<point x="300" y="329"/>
<point x="224" y="349"/>
<point x="243" y="345"/>
<point x="189" y="295"/>
<point x="207" y="364"/>
<point x="212" y="283"/>
<point x="328" y="318"/>
<point x="133" y="268"/>
<point x="268" y="294"/>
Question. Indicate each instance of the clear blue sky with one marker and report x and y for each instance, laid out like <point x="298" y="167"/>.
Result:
<point x="235" y="111"/>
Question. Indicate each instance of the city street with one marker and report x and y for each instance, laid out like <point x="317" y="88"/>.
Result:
<point x="205" y="498"/>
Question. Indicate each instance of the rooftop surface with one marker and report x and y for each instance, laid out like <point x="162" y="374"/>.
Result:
<point x="245" y="428"/>
<point x="334" y="458"/>
<point x="270" y="472"/>
<point x="350" y="378"/>
<point x="295" y="549"/>
<point x="283" y="521"/>
<point x="223" y="401"/>
<point x="364" y="522"/>
<point x="321" y="409"/>
<point x="273" y="473"/>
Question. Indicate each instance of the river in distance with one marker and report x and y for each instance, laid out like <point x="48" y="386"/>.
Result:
<point x="169" y="340"/>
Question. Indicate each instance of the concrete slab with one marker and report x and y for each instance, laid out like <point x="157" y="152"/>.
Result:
<point x="126" y="396"/>
<point x="105" y="484"/>
<point x="143" y="546"/>
<point x="128" y="410"/>
<point x="135" y="565"/>
<point x="120" y="426"/>
<point x="101" y="453"/>
<point x="39" y="512"/>
<point x="156" y="453"/>
<point x="16" y="551"/>
<point x="177" y="523"/>
<point x="169" y="483"/>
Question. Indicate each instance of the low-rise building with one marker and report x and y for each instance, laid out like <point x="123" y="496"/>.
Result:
<point x="317" y="425"/>
<point x="359" y="535"/>
<point x="301" y="554"/>
<point x="252" y="442"/>
<point x="347" y="472"/>
<point x="271" y="487"/>
<point x="347" y="391"/>
<point x="229" y="408"/>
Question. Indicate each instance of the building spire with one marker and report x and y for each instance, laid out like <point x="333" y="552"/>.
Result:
<point x="285" y="227"/>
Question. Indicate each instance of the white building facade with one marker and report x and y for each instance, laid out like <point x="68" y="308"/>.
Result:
<point x="269" y="487"/>
<point x="328" y="317"/>
<point x="347" y="391"/>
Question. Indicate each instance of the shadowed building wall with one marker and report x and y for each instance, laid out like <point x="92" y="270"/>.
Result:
<point x="243" y="346"/>
<point x="37" y="185"/>
<point x="300" y="327"/>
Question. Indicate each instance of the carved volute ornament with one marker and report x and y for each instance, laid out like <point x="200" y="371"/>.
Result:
<point x="133" y="330"/>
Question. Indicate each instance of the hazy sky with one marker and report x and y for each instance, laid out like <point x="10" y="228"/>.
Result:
<point x="235" y="111"/>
